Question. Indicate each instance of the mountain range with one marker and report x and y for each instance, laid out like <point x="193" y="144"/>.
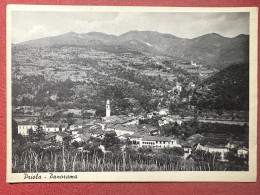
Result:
<point x="211" y="49"/>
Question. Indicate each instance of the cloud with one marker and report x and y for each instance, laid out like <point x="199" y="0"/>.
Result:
<point x="36" y="31"/>
<point x="32" y="25"/>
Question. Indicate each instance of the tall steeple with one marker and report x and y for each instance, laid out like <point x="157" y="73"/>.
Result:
<point x="108" y="111"/>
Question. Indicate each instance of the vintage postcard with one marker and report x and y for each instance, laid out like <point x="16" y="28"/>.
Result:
<point x="131" y="94"/>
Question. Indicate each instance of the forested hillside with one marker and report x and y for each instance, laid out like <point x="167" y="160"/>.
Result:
<point x="227" y="90"/>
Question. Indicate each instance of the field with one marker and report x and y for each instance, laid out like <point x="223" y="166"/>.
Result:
<point x="164" y="75"/>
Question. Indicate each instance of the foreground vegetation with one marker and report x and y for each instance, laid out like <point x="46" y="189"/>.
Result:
<point x="30" y="158"/>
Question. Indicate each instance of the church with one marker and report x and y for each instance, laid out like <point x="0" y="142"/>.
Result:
<point x="118" y="119"/>
<point x="119" y="123"/>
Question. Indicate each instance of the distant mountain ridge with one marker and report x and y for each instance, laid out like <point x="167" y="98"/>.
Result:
<point x="211" y="49"/>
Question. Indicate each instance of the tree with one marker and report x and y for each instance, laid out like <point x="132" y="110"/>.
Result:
<point x="60" y="128"/>
<point x="234" y="159"/>
<point x="14" y="129"/>
<point x="178" y="151"/>
<point x="26" y="101"/>
<point x="69" y="118"/>
<point x="39" y="132"/>
<point x="86" y="115"/>
<point x="75" y="144"/>
<point x="30" y="133"/>
<point x="127" y="142"/>
<point x="110" y="139"/>
<point x="20" y="140"/>
<point x="66" y="141"/>
<point x="100" y="112"/>
<point x="203" y="156"/>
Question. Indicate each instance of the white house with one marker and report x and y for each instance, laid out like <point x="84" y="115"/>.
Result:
<point x="24" y="126"/>
<point x="193" y="63"/>
<point x="72" y="127"/>
<point x="54" y="97"/>
<point x="161" y="123"/>
<point x="51" y="128"/>
<point x="61" y="136"/>
<point x="242" y="152"/>
<point x="192" y="85"/>
<point x="211" y="148"/>
<point x="164" y="112"/>
<point x="158" y="142"/>
<point x="178" y="87"/>
<point x="152" y="114"/>
<point x="76" y="131"/>
<point x="178" y="121"/>
<point x="55" y="127"/>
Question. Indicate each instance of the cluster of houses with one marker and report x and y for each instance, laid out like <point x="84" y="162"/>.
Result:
<point x="25" y="126"/>
<point x="215" y="144"/>
<point x="128" y="128"/>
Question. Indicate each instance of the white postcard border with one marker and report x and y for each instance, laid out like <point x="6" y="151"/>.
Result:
<point x="180" y="176"/>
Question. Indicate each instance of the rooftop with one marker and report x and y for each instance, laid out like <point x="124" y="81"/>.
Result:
<point x="30" y="122"/>
<point x="135" y="135"/>
<point x="214" y="142"/>
<point x="49" y="135"/>
<point x="117" y="119"/>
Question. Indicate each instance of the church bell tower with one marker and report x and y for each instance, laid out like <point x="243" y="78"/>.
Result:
<point x="108" y="111"/>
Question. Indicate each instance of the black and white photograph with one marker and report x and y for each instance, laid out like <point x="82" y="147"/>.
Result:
<point x="150" y="94"/>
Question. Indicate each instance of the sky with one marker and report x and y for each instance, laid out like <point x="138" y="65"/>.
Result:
<point x="31" y="25"/>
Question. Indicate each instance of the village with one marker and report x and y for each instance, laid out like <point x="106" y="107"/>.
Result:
<point x="88" y="99"/>
<point x="126" y="128"/>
